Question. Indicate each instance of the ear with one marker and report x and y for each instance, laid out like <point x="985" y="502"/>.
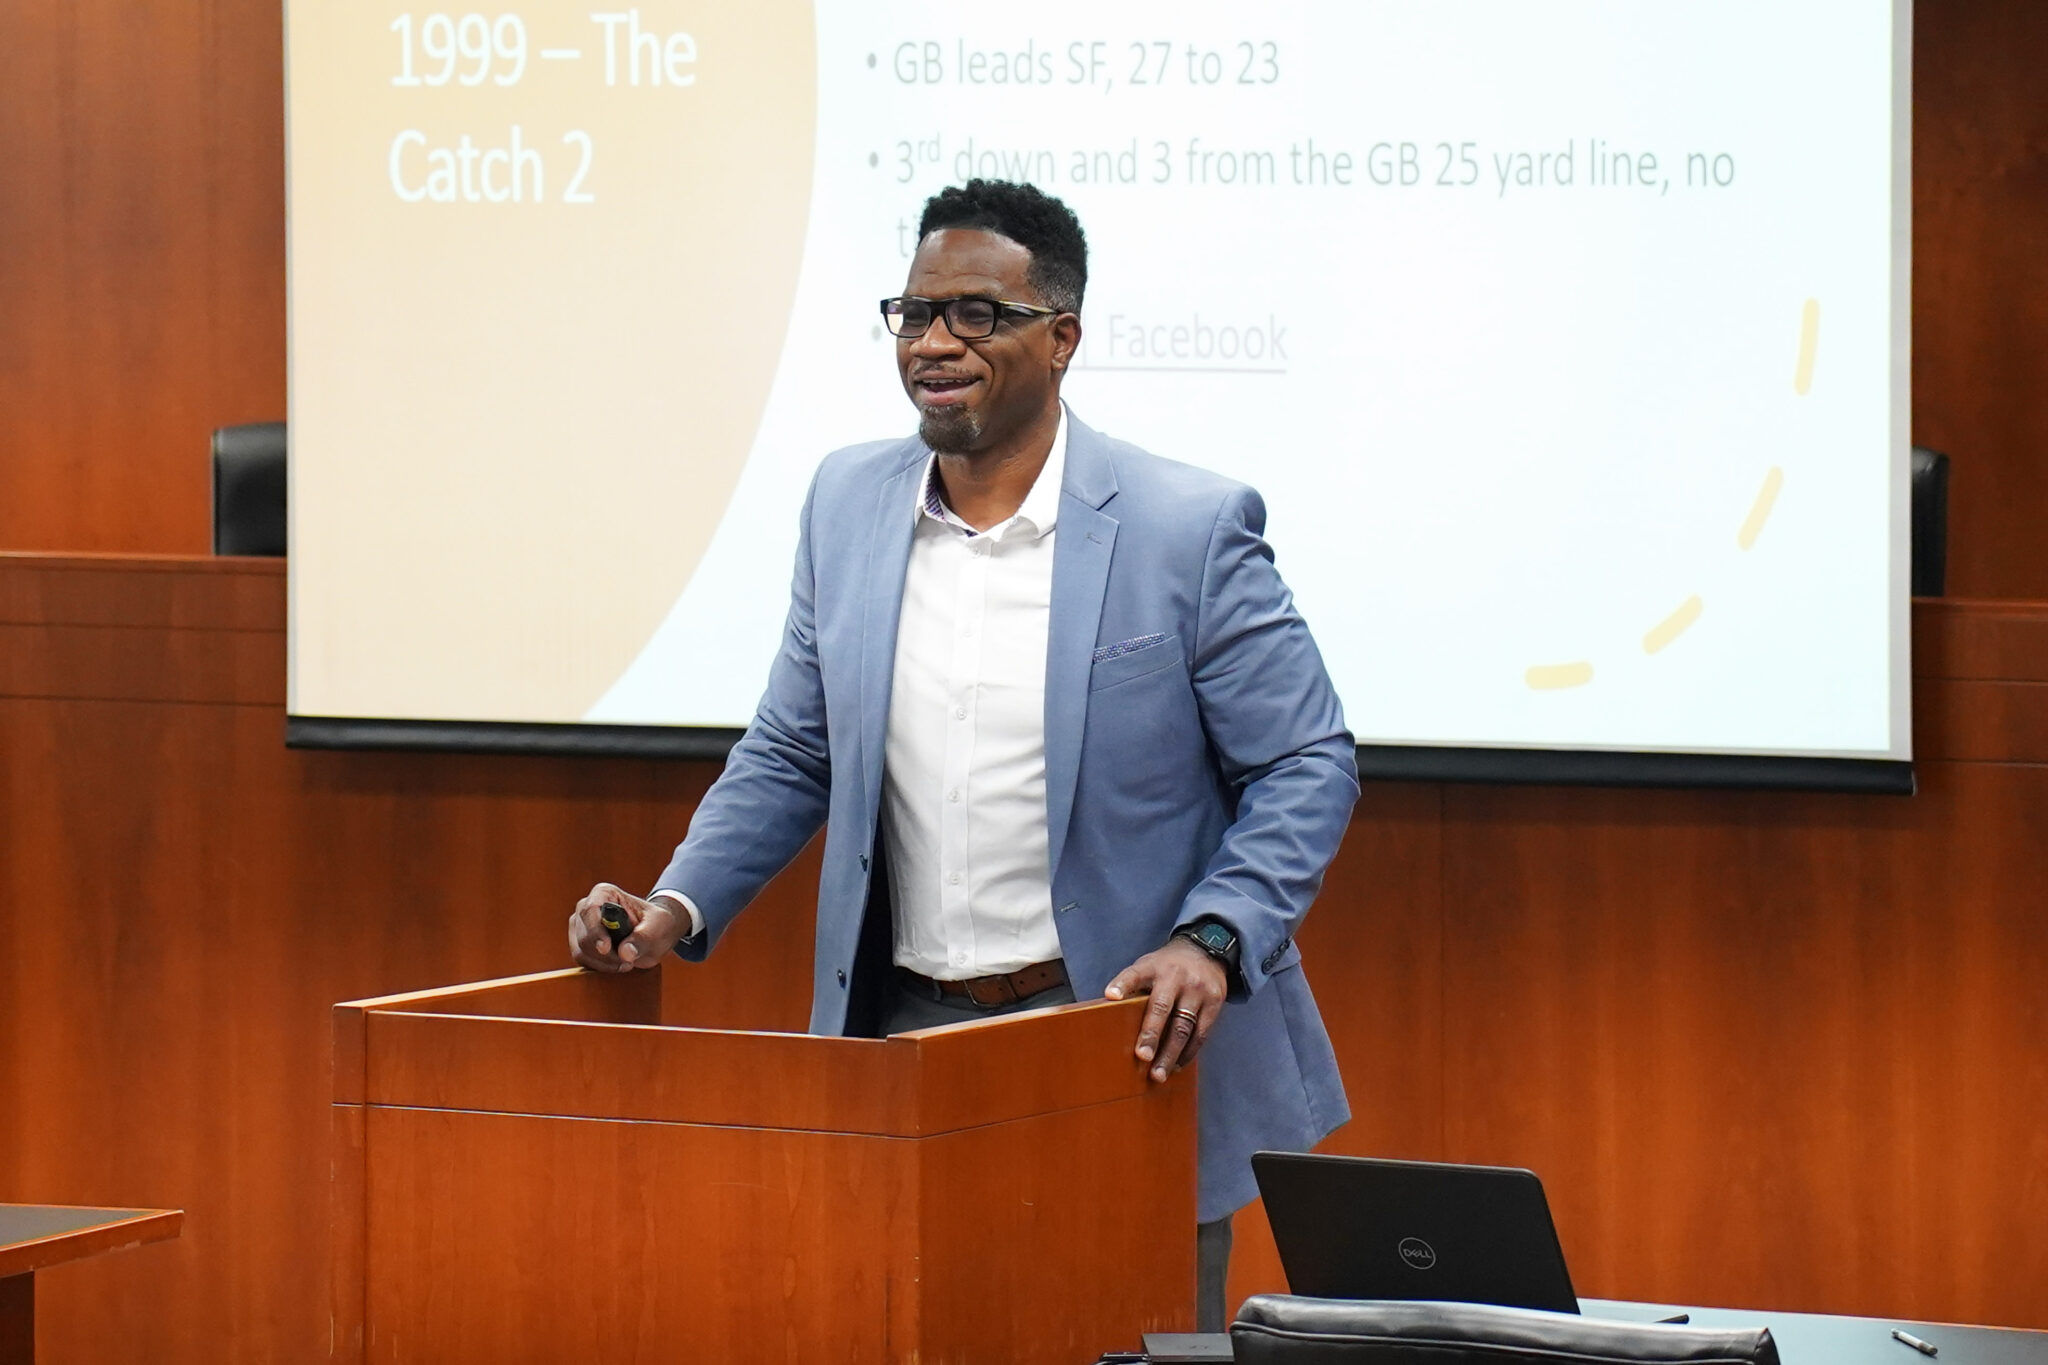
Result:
<point x="1066" y="340"/>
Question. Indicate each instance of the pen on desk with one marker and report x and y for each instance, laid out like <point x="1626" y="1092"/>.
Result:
<point x="1925" y="1348"/>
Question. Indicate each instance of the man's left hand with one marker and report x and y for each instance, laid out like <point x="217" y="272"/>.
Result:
<point x="1187" y="987"/>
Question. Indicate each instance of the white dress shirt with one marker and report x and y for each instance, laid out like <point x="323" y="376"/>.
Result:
<point x="963" y="773"/>
<point x="963" y="786"/>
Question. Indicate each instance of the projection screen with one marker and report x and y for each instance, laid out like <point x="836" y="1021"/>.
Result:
<point x="1567" y="343"/>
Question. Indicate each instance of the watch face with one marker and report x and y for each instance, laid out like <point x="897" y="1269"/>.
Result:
<point x="1215" y="937"/>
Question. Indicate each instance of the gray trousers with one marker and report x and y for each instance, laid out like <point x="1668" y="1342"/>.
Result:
<point x="910" y="1008"/>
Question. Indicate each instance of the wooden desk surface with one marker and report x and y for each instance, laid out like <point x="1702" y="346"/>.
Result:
<point x="1837" y="1339"/>
<point x="36" y="1236"/>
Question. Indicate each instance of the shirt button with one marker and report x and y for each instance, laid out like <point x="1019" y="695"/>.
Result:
<point x="959" y="959"/>
<point x="953" y="795"/>
<point x="953" y="878"/>
<point x="959" y="713"/>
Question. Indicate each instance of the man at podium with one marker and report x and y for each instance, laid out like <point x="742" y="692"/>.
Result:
<point x="1053" y="703"/>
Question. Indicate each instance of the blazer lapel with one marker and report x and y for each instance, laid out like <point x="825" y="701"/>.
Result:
<point x="892" y="523"/>
<point x="1083" y="541"/>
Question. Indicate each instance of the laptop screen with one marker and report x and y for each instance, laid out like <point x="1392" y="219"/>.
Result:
<point x="1358" y="1228"/>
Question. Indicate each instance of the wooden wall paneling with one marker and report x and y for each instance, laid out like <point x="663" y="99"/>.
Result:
<point x="151" y="1024"/>
<point x="170" y="593"/>
<point x="1983" y="722"/>
<point x="1980" y="684"/>
<point x="1980" y="640"/>
<point x="1757" y="1045"/>
<point x="141" y="261"/>
<point x="1625" y="979"/>
<point x="1980" y="282"/>
<point x="1972" y="1023"/>
<point x="759" y="975"/>
<point x="123" y="664"/>
<point x="197" y="630"/>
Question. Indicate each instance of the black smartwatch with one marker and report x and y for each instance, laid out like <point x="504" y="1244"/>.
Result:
<point x="1219" y="941"/>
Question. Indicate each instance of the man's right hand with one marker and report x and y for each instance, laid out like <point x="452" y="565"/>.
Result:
<point x="658" y="925"/>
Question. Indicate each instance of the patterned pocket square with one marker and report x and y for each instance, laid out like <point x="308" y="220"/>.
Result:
<point x="1130" y="646"/>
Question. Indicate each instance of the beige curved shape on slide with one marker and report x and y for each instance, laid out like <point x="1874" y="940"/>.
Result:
<point x="515" y="426"/>
<point x="1809" y="345"/>
<point x="1552" y="677"/>
<point x="1673" y="626"/>
<point x="1760" y="510"/>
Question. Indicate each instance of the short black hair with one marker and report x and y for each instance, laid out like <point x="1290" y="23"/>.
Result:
<point x="1031" y="218"/>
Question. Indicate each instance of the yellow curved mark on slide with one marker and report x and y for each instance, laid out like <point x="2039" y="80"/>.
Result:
<point x="1809" y="342"/>
<point x="1672" y="626"/>
<point x="1554" y="677"/>
<point x="1550" y="677"/>
<point x="1760" y="510"/>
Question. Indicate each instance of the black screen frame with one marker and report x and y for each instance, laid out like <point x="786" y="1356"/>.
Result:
<point x="1376" y="762"/>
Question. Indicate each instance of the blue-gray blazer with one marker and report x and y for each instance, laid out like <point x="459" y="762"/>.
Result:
<point x="1196" y="761"/>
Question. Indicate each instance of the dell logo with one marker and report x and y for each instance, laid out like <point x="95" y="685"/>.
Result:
<point x="1417" y="1254"/>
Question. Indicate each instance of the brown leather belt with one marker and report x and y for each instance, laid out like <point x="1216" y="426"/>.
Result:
<point x="1004" y="988"/>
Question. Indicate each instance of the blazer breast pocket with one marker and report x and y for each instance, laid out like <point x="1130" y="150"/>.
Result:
<point x="1134" y="658"/>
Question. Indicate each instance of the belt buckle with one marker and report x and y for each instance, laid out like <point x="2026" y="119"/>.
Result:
<point x="1006" y="991"/>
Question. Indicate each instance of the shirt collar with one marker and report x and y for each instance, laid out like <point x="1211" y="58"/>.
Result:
<point x="1040" y="509"/>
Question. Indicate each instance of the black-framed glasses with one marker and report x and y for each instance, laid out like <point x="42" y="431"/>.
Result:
<point x="969" y="318"/>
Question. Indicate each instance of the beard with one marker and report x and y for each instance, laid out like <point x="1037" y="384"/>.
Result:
<point x="949" y="430"/>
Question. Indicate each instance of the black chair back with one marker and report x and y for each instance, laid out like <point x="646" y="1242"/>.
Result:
<point x="1930" y="522"/>
<point x="1281" y="1329"/>
<point x="249" y="489"/>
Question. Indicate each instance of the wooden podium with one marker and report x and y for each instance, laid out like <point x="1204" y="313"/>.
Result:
<point x="538" y="1169"/>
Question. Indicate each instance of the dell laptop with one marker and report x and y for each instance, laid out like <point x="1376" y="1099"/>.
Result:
<point x="1353" y="1228"/>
